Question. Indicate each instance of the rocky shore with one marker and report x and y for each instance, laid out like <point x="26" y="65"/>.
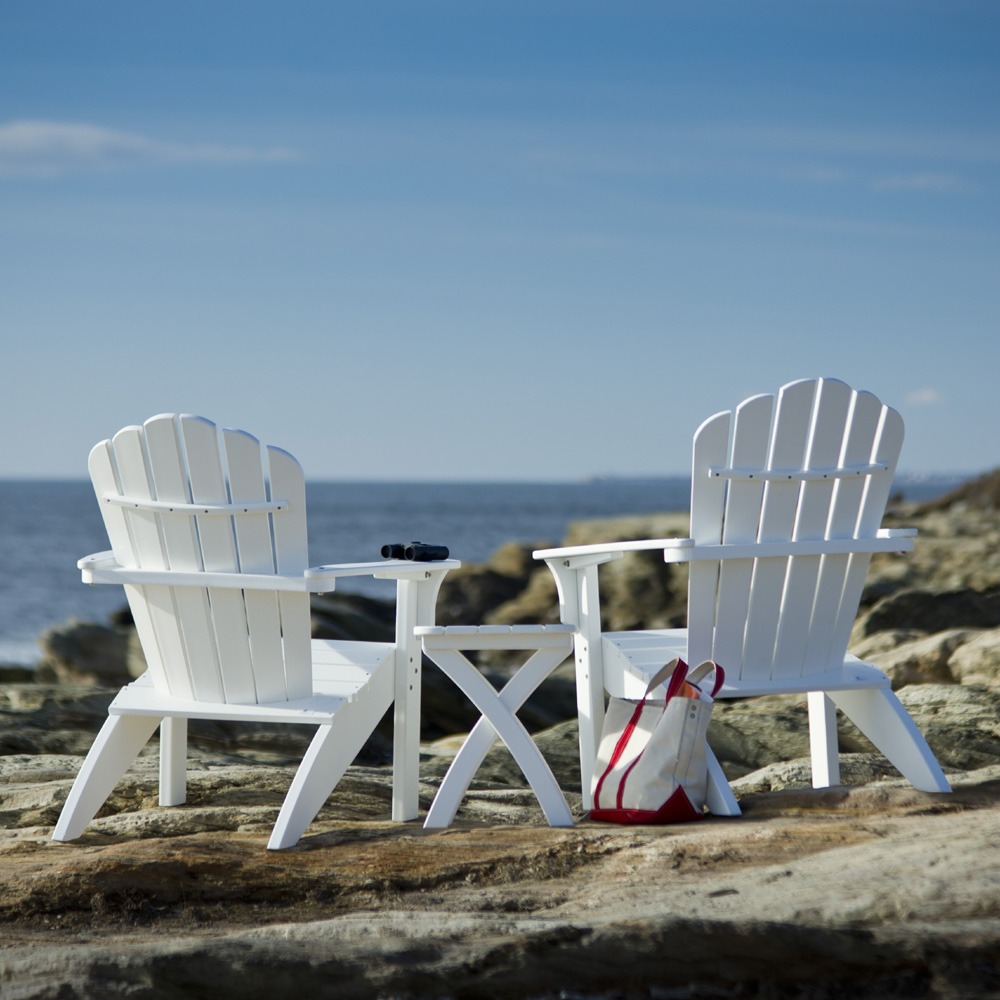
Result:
<point x="870" y="889"/>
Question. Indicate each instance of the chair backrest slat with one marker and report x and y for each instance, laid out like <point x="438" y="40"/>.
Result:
<point x="789" y="438"/>
<point x="255" y="554"/>
<point x="182" y="551"/>
<point x="798" y="603"/>
<point x="219" y="643"/>
<point x="862" y="426"/>
<point x="708" y="497"/>
<point x="776" y="617"/>
<point x="292" y="557"/>
<point x="132" y="463"/>
<point x="888" y="443"/>
<point x="104" y="476"/>
<point x="751" y="435"/>
<point x="218" y="552"/>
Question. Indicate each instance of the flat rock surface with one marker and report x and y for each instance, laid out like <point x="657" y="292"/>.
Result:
<point x="877" y="890"/>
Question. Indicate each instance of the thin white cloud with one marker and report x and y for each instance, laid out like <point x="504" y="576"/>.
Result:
<point x="50" y="149"/>
<point x="924" y="397"/>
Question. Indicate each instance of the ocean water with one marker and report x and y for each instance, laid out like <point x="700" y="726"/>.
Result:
<point x="46" y="526"/>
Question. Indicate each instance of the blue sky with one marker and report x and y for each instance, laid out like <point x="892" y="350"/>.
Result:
<point x="494" y="240"/>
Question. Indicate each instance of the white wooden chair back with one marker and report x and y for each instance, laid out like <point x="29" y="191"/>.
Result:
<point x="177" y="495"/>
<point x="815" y="463"/>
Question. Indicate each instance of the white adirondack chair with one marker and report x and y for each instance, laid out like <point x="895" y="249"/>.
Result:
<point x="208" y="537"/>
<point x="787" y="496"/>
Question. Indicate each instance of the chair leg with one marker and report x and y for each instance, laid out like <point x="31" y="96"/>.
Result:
<point x="173" y="761"/>
<point x="823" y="746"/>
<point x="880" y="715"/>
<point x="330" y="753"/>
<point x="117" y="744"/>
<point x="720" y="798"/>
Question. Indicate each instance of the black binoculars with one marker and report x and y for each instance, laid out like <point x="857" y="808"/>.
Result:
<point x="415" y="551"/>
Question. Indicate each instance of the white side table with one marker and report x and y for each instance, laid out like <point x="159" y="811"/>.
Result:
<point x="444" y="645"/>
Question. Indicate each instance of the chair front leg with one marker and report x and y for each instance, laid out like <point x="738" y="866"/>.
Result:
<point x="880" y="715"/>
<point x="580" y="606"/>
<point x="116" y="746"/>
<point x="415" y="605"/>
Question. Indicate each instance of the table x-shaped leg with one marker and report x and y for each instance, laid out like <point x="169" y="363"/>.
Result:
<point x="551" y="645"/>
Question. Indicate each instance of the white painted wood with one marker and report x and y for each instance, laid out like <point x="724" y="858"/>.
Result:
<point x="173" y="761"/>
<point x="751" y="433"/>
<point x="885" y="540"/>
<point x="116" y="746"/>
<point x="792" y="425"/>
<point x="708" y="498"/>
<point x="719" y="799"/>
<point x="406" y="707"/>
<point x="182" y="551"/>
<point x="498" y="717"/>
<point x="144" y="529"/>
<point x="880" y="715"/>
<point x="578" y="592"/>
<point x="810" y="475"/>
<point x="606" y="551"/>
<point x="218" y="550"/>
<point x="211" y="546"/>
<point x="177" y="507"/>
<point x="286" y="479"/>
<point x="104" y="478"/>
<point x="255" y="554"/>
<point x="816" y="533"/>
<point x="825" y="446"/>
<point x="329" y="755"/>
<point x="823" y="745"/>
<point x="483" y="735"/>
<point x="888" y="443"/>
<point x="863" y="422"/>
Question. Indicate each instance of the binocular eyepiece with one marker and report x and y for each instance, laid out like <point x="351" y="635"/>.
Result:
<point x="415" y="551"/>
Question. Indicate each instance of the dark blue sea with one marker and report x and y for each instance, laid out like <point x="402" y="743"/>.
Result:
<point x="46" y="526"/>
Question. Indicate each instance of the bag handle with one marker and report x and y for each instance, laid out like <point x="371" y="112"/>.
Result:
<point x="677" y="670"/>
<point x="703" y="669"/>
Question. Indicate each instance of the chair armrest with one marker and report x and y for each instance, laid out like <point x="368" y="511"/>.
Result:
<point x="576" y="554"/>
<point x="97" y="560"/>
<point x="101" y="567"/>
<point x="322" y="579"/>
<point x="897" y="532"/>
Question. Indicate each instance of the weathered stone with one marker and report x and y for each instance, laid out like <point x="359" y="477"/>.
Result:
<point x="84" y="652"/>
<point x="978" y="660"/>
<point x="865" y="647"/>
<point x="961" y="723"/>
<point x="843" y="892"/>
<point x="924" y="660"/>
<point x="855" y="769"/>
<point x="932" y="611"/>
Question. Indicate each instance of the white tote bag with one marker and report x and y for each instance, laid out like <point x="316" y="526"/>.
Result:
<point x="652" y="762"/>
